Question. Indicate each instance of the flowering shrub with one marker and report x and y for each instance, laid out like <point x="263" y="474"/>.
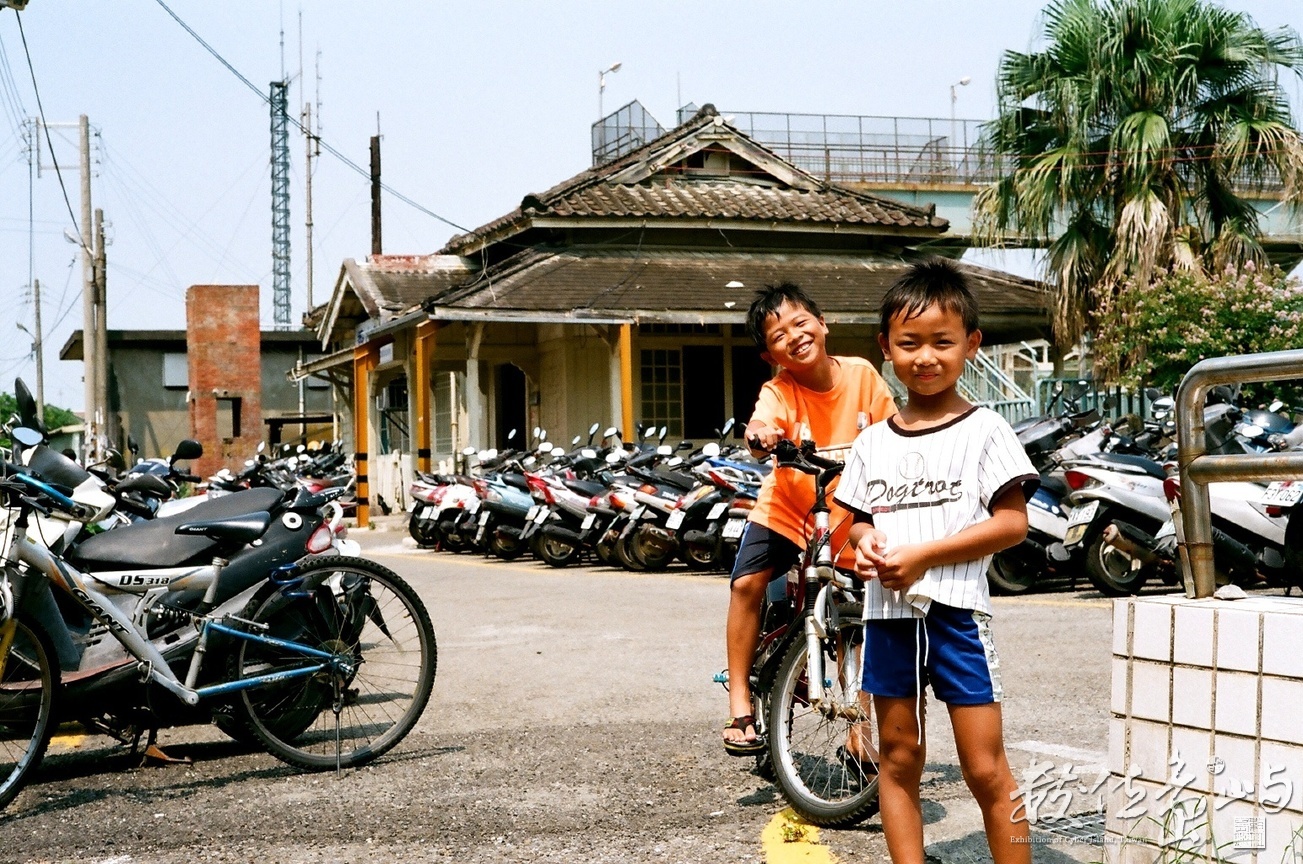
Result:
<point x="1153" y="332"/>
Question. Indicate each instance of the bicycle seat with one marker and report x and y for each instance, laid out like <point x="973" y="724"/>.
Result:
<point x="155" y="543"/>
<point x="236" y="529"/>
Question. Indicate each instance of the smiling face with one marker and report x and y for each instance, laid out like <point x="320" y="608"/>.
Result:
<point x="795" y="338"/>
<point x="928" y="351"/>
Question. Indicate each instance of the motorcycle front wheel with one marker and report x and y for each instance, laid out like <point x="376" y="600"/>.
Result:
<point x="423" y="530"/>
<point x="1011" y="574"/>
<point x="808" y="744"/>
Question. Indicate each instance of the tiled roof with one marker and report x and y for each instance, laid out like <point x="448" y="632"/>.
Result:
<point x="681" y="286"/>
<point x="618" y="190"/>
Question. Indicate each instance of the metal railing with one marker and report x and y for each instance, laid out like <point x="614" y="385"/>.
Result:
<point x="1198" y="468"/>
<point x="983" y="382"/>
<point x="623" y="131"/>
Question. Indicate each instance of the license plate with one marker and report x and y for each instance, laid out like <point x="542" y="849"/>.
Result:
<point x="472" y="506"/>
<point x="541" y="516"/>
<point x="1084" y="514"/>
<point x="1282" y="493"/>
<point x="733" y="528"/>
<point x="675" y="520"/>
<point x="479" y="535"/>
<point x="484" y="517"/>
<point x="533" y="511"/>
<point x="716" y="511"/>
<point x="589" y="520"/>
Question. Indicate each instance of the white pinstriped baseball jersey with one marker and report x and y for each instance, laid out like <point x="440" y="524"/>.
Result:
<point x="923" y="485"/>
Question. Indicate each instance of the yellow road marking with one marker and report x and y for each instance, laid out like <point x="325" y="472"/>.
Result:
<point x="1050" y="601"/>
<point x="788" y="839"/>
<point x="68" y="742"/>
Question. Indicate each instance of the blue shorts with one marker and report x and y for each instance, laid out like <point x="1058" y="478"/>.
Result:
<point x="762" y="549"/>
<point x="949" y="648"/>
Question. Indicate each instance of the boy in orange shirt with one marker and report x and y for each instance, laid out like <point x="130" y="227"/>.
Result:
<point x="814" y="397"/>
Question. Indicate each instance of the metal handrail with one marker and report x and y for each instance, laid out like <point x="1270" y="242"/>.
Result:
<point x="1198" y="469"/>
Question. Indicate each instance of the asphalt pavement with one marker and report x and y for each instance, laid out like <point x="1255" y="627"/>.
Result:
<point x="573" y="719"/>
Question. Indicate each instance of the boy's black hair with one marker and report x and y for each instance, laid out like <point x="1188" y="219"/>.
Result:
<point x="766" y="303"/>
<point x="932" y="282"/>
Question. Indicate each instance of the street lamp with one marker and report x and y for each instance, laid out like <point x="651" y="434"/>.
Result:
<point x="601" y="85"/>
<point x="954" y="98"/>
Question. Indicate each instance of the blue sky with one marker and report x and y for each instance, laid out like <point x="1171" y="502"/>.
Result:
<point x="478" y="103"/>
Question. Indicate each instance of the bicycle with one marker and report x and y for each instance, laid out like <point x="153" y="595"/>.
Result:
<point x="329" y="665"/>
<point x="806" y="674"/>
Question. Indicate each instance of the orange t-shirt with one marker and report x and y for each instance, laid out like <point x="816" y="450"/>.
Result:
<point x="832" y="420"/>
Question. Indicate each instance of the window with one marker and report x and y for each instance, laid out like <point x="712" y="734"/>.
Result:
<point x="176" y="371"/>
<point x="228" y="418"/>
<point x="662" y="388"/>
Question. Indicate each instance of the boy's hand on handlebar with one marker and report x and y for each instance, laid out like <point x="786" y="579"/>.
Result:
<point x="762" y="438"/>
<point x="868" y="553"/>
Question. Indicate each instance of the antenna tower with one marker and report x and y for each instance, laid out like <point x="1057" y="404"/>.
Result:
<point x="280" y="205"/>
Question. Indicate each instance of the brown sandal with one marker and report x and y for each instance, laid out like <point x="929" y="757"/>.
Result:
<point x="753" y="747"/>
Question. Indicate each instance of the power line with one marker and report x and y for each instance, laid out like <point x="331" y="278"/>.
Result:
<point x="41" y="111"/>
<point x="325" y="145"/>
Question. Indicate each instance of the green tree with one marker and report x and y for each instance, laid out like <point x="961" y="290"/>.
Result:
<point x="1152" y="332"/>
<point x="1127" y="143"/>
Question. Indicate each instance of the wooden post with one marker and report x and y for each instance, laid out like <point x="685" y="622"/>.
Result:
<point x="626" y="381"/>
<point x="365" y="358"/>
<point x="421" y="386"/>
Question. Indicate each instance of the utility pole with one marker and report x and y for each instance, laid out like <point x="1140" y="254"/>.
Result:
<point x="40" y="356"/>
<point x="375" y="195"/>
<point x="89" y="374"/>
<point x="101" y="331"/>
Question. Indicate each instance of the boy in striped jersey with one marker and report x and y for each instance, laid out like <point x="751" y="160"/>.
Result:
<point x="936" y="491"/>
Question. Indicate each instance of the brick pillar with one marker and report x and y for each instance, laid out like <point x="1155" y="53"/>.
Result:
<point x="223" y="347"/>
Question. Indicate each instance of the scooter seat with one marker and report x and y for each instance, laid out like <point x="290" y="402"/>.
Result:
<point x="237" y="529"/>
<point x="516" y="480"/>
<point x="155" y="543"/>
<point x="584" y="487"/>
<point x="1149" y="466"/>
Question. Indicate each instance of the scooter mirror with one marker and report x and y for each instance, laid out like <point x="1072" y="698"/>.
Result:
<point x="27" y="437"/>
<point x="610" y="430"/>
<point x="132" y="446"/>
<point x="592" y="430"/>
<point x="115" y="460"/>
<point x="262" y="445"/>
<point x="558" y="450"/>
<point x="537" y="431"/>
<point x="612" y="458"/>
<point x="528" y="461"/>
<point x="1250" y="430"/>
<point x="728" y="427"/>
<point x="1152" y="393"/>
<point x="248" y="463"/>
<point x="574" y="442"/>
<point x="686" y="445"/>
<point x="469" y="451"/>
<point x="588" y="453"/>
<point x="491" y="453"/>
<point x="664" y="431"/>
<point x="663" y="450"/>
<point x="186" y="450"/>
<point x="543" y="435"/>
<point x="511" y="436"/>
<point x="711" y="450"/>
<point x="300" y="448"/>
<point x="1275" y="406"/>
<point x="675" y="462"/>
<point x="650" y="433"/>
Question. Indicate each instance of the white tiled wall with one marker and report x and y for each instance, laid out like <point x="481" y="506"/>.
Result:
<point x="1207" y="709"/>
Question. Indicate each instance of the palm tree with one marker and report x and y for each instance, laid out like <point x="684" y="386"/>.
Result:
<point x="1129" y="141"/>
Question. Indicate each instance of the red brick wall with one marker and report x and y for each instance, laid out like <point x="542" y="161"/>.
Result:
<point x="223" y="345"/>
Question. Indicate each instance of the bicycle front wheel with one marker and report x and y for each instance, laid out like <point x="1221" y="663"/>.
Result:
<point x="814" y="747"/>
<point x="383" y="663"/>
<point x="27" y="691"/>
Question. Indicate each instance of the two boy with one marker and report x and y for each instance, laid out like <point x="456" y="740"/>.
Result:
<point x="934" y="492"/>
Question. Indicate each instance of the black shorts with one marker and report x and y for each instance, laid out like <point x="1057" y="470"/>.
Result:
<point x="762" y="549"/>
